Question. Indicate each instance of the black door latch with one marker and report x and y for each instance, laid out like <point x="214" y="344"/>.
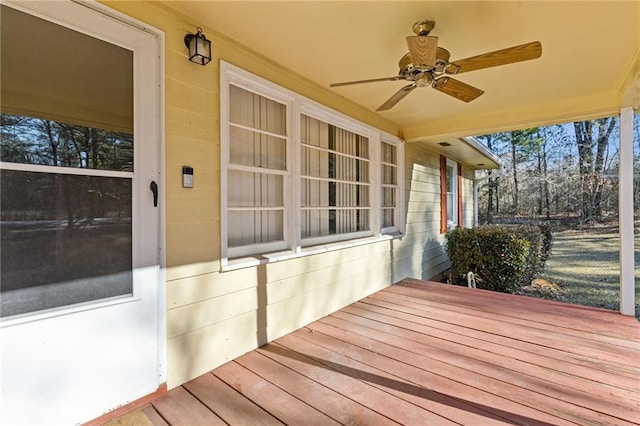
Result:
<point x="154" y="188"/>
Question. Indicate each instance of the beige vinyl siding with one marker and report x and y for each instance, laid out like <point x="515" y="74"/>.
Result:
<point x="215" y="317"/>
<point x="212" y="316"/>
<point x="421" y="254"/>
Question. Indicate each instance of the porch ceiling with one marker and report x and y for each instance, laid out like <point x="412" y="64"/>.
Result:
<point x="590" y="64"/>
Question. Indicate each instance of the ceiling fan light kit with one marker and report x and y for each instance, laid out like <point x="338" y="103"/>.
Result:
<point x="427" y="64"/>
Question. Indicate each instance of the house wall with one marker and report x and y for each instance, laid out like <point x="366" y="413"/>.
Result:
<point x="421" y="253"/>
<point x="213" y="316"/>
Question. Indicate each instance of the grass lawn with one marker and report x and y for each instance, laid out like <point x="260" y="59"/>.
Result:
<point x="584" y="268"/>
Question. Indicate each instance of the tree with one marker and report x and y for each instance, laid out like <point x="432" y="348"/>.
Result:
<point x="491" y="184"/>
<point x="592" y="135"/>
<point x="563" y="169"/>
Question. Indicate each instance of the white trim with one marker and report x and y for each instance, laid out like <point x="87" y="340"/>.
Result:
<point x="261" y="259"/>
<point x="350" y="182"/>
<point x="66" y="310"/>
<point x="454" y="203"/>
<point x="297" y="105"/>
<point x="24" y="167"/>
<point x="398" y="219"/>
<point x="254" y="130"/>
<point x="627" y="267"/>
<point x="320" y="112"/>
<point x="261" y="170"/>
<point x="478" y="146"/>
<point x="225" y="74"/>
<point x="334" y="238"/>
<point x="252" y="249"/>
<point x="333" y="151"/>
<point x="295" y="217"/>
<point x="159" y="35"/>
<point x="153" y="64"/>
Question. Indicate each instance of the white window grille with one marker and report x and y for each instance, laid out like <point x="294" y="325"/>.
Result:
<point x="296" y="174"/>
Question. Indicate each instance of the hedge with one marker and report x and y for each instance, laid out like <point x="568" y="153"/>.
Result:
<point x="503" y="258"/>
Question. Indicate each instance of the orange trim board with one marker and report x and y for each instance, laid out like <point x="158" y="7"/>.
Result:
<point x="124" y="409"/>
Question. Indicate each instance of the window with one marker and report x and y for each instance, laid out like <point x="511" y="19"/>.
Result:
<point x="452" y="191"/>
<point x="450" y="194"/>
<point x="389" y="187"/>
<point x="296" y="174"/>
<point x="335" y="182"/>
<point x="256" y="171"/>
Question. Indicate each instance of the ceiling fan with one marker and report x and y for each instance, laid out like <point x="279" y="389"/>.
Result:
<point x="427" y="64"/>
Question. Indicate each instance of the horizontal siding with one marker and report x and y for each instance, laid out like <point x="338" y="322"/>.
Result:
<point x="279" y="297"/>
<point x="421" y="254"/>
<point x="202" y="314"/>
<point x="194" y="353"/>
<point x="213" y="316"/>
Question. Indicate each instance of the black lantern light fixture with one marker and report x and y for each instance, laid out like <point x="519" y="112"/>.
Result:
<point x="199" y="47"/>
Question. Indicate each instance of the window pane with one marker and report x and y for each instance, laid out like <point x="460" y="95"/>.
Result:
<point x="388" y="197"/>
<point x="257" y="112"/>
<point x="247" y="189"/>
<point x="249" y="148"/>
<point x="315" y="223"/>
<point x="347" y="142"/>
<point x="388" y="218"/>
<point x="315" y="193"/>
<point x="450" y="207"/>
<point x="320" y="134"/>
<point x="254" y="227"/>
<point x="65" y="239"/>
<point x="388" y="153"/>
<point x="335" y="172"/>
<point x="324" y="222"/>
<point x="347" y="168"/>
<point x="450" y="176"/>
<point x="389" y="175"/>
<point x="325" y="164"/>
<point x="314" y="132"/>
<point x="349" y="195"/>
<point x="314" y="162"/>
<point x="31" y="140"/>
<point x="61" y="106"/>
<point x="318" y="193"/>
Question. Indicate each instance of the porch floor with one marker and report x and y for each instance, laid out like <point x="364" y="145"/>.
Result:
<point x="427" y="353"/>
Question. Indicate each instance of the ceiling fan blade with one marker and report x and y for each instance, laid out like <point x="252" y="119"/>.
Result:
<point x="373" y="80"/>
<point x="423" y="50"/>
<point x="397" y="97"/>
<point x="510" y="55"/>
<point x="457" y="89"/>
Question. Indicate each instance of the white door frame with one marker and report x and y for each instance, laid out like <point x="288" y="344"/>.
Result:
<point x="93" y="11"/>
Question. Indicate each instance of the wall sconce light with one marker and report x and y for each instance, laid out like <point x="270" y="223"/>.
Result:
<point x="199" y="47"/>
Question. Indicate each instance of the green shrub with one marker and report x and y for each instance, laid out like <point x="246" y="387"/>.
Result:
<point x="503" y="258"/>
<point x="545" y="229"/>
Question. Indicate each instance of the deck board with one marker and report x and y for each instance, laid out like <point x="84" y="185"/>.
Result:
<point x="428" y="353"/>
<point x="282" y="405"/>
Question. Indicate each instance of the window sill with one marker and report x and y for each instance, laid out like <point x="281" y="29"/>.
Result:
<point x="279" y="256"/>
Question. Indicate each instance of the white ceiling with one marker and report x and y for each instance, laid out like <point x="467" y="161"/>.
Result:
<point x="590" y="64"/>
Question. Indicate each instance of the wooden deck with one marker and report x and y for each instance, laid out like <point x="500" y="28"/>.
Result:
<point x="422" y="353"/>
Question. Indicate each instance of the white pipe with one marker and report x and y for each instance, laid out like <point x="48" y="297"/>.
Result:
<point x="471" y="279"/>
